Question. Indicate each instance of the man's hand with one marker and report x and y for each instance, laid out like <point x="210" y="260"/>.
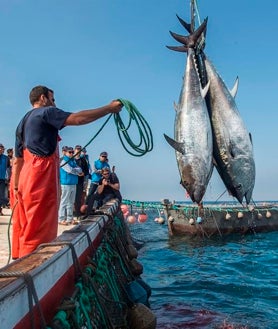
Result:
<point x="116" y="106"/>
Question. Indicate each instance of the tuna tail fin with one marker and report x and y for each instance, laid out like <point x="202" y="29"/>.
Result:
<point x="189" y="29"/>
<point x="186" y="25"/>
<point x="189" y="41"/>
<point x="181" y="49"/>
<point x="176" y="145"/>
<point x="235" y="88"/>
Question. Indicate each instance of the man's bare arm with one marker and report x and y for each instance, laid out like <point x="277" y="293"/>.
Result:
<point x="87" y="116"/>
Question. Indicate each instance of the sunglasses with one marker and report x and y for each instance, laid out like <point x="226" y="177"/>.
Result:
<point x="70" y="152"/>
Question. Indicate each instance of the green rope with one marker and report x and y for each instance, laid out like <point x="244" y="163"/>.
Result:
<point x="8" y="233"/>
<point x="145" y="143"/>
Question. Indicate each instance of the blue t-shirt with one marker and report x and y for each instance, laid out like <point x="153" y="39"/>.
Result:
<point x="38" y="131"/>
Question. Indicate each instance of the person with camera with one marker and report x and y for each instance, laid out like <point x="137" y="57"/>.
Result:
<point x="108" y="188"/>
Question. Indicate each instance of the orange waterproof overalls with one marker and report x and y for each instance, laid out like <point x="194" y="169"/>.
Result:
<point x="38" y="202"/>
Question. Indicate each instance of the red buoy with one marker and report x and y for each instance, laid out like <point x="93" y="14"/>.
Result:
<point x="142" y="217"/>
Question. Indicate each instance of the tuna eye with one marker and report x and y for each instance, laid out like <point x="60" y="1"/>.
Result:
<point x="238" y="186"/>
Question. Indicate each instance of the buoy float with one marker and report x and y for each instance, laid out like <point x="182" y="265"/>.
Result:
<point x="83" y="208"/>
<point x="131" y="219"/>
<point x="240" y="214"/>
<point x="199" y="220"/>
<point x="260" y="216"/>
<point x="142" y="217"/>
<point x="228" y="216"/>
<point x="160" y="220"/>
<point x="191" y="221"/>
<point x="268" y="214"/>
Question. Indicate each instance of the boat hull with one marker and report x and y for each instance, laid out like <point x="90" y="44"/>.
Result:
<point x="33" y="287"/>
<point x="212" y="221"/>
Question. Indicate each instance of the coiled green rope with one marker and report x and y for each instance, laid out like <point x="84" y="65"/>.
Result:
<point x="145" y="143"/>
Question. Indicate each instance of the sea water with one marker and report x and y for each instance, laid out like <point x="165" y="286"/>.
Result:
<point x="221" y="282"/>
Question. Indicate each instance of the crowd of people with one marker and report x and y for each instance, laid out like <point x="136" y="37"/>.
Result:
<point x="46" y="190"/>
<point x="84" y="188"/>
<point x="5" y="177"/>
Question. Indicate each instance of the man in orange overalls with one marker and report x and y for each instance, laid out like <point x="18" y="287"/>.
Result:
<point x="36" y="166"/>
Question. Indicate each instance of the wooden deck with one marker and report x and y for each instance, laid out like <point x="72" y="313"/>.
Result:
<point x="4" y="236"/>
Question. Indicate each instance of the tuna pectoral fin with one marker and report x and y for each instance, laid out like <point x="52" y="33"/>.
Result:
<point x="177" y="146"/>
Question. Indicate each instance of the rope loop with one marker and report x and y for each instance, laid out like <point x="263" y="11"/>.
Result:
<point x="145" y="143"/>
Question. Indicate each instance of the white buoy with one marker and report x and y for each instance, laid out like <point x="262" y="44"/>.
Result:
<point x="131" y="219"/>
<point x="228" y="216"/>
<point x="260" y="216"/>
<point x="240" y="214"/>
<point x="268" y="214"/>
<point x="191" y="221"/>
<point x="160" y="220"/>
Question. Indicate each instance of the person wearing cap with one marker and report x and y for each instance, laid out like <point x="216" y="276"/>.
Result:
<point x="10" y="154"/>
<point x="79" y="196"/>
<point x="99" y="164"/>
<point x="108" y="188"/>
<point x="69" y="174"/>
<point x="36" y="164"/>
<point x="64" y="152"/>
<point x="4" y="166"/>
<point x="87" y="178"/>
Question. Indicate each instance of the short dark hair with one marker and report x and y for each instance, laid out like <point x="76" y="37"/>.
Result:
<point x="36" y="93"/>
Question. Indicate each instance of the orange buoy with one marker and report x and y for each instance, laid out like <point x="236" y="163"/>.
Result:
<point x="142" y="217"/>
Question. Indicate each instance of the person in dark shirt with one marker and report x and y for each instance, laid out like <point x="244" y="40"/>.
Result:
<point x="108" y="188"/>
<point x="4" y="166"/>
<point x="36" y="165"/>
<point x="80" y="195"/>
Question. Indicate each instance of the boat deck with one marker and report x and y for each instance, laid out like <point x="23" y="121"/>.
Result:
<point x="6" y="234"/>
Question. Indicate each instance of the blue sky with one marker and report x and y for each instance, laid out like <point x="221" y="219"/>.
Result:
<point x="93" y="51"/>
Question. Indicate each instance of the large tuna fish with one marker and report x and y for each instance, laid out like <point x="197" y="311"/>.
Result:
<point x="193" y="136"/>
<point x="232" y="144"/>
